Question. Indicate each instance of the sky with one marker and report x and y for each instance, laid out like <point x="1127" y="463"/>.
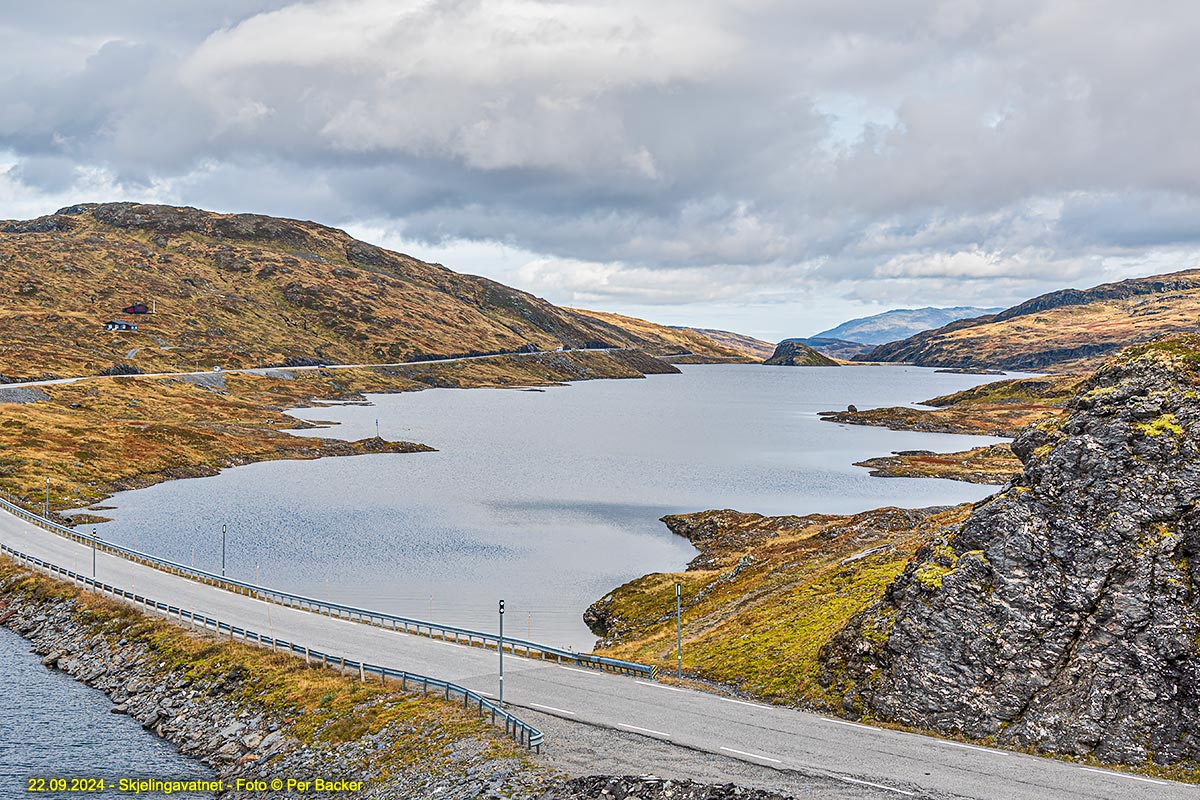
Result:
<point x="773" y="168"/>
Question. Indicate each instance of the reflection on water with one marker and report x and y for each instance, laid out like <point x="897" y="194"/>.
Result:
<point x="546" y="499"/>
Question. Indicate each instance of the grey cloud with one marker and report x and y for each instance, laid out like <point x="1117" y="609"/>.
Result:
<point x="1020" y="141"/>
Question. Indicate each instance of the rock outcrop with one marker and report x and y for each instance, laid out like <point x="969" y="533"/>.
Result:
<point x="1064" y="613"/>
<point x="789" y="353"/>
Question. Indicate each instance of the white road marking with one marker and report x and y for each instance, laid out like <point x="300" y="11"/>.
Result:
<point x="643" y="730"/>
<point x="552" y="708"/>
<point x="742" y="702"/>
<point x="1125" y="775"/>
<point x="873" y="785"/>
<point x="752" y="755"/>
<point x="854" y="724"/>
<point x="974" y="747"/>
<point x="584" y="671"/>
<point x="659" y="686"/>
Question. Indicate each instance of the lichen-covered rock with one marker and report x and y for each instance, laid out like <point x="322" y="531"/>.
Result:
<point x="1064" y="613"/>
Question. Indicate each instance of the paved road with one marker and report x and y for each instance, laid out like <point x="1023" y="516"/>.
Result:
<point x="268" y="370"/>
<point x="881" y="762"/>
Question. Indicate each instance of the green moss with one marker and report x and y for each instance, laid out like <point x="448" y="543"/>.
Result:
<point x="1167" y="424"/>
<point x="931" y="574"/>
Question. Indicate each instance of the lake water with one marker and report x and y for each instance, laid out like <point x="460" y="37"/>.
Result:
<point x="547" y="499"/>
<point x="54" y="726"/>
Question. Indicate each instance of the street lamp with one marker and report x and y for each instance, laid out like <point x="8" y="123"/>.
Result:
<point x="501" y="649"/>
<point x="678" y="635"/>
<point x="94" y="537"/>
<point x="46" y="512"/>
<point x="222" y="551"/>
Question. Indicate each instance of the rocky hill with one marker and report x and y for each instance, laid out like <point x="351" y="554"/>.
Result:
<point x="1070" y="329"/>
<point x="790" y="353"/>
<point x="899" y="323"/>
<point x="245" y="290"/>
<point x="1063" y="614"/>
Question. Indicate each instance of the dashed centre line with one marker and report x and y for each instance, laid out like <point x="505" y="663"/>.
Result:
<point x="643" y="730"/>
<point x="752" y="755"/>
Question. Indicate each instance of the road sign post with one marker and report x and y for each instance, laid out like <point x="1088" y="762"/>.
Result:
<point x="501" y="649"/>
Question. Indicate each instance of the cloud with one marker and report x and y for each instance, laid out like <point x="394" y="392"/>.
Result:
<point x="668" y="153"/>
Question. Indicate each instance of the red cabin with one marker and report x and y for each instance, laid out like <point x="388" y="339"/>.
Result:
<point x="137" y="308"/>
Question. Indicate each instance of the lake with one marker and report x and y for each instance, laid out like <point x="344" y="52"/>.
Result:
<point x="547" y="499"/>
<point x="55" y="727"/>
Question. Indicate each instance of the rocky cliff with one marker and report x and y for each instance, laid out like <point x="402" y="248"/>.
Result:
<point x="1063" y="614"/>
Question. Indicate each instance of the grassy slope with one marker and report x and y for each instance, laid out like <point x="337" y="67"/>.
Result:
<point x="675" y="341"/>
<point x="246" y="290"/>
<point x="755" y="348"/>
<point x="1067" y="338"/>
<point x="764" y="595"/>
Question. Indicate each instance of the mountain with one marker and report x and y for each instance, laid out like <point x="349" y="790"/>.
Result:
<point x="755" y="348"/>
<point x="1061" y="614"/>
<point x="1063" y="330"/>
<point x="899" y="323"/>
<point x="835" y="348"/>
<point x="791" y="353"/>
<point x="246" y="290"/>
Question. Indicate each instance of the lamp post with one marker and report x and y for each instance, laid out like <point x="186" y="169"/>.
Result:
<point x="94" y="537"/>
<point x="678" y="635"/>
<point x="222" y="551"/>
<point x="501" y="649"/>
<point x="46" y="511"/>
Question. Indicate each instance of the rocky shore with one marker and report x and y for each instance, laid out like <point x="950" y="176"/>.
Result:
<point x="228" y="717"/>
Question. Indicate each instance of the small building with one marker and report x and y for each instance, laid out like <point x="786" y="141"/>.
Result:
<point x="137" y="308"/>
<point x="119" y="325"/>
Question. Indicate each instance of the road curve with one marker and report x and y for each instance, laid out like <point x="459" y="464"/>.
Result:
<point x="882" y="762"/>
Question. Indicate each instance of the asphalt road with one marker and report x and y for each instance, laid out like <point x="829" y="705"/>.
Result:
<point x="268" y="370"/>
<point x="880" y="762"/>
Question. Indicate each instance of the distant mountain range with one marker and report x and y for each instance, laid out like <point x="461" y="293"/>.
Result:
<point x="900" y="323"/>
<point x="1063" y="330"/>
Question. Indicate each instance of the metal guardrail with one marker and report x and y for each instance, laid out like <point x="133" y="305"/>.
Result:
<point x="518" y="729"/>
<point x="351" y="613"/>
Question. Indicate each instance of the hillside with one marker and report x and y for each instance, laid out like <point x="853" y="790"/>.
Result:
<point x="1066" y="330"/>
<point x="755" y="348"/>
<point x="244" y="290"/>
<point x="899" y="323"/>
<point x="675" y="344"/>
